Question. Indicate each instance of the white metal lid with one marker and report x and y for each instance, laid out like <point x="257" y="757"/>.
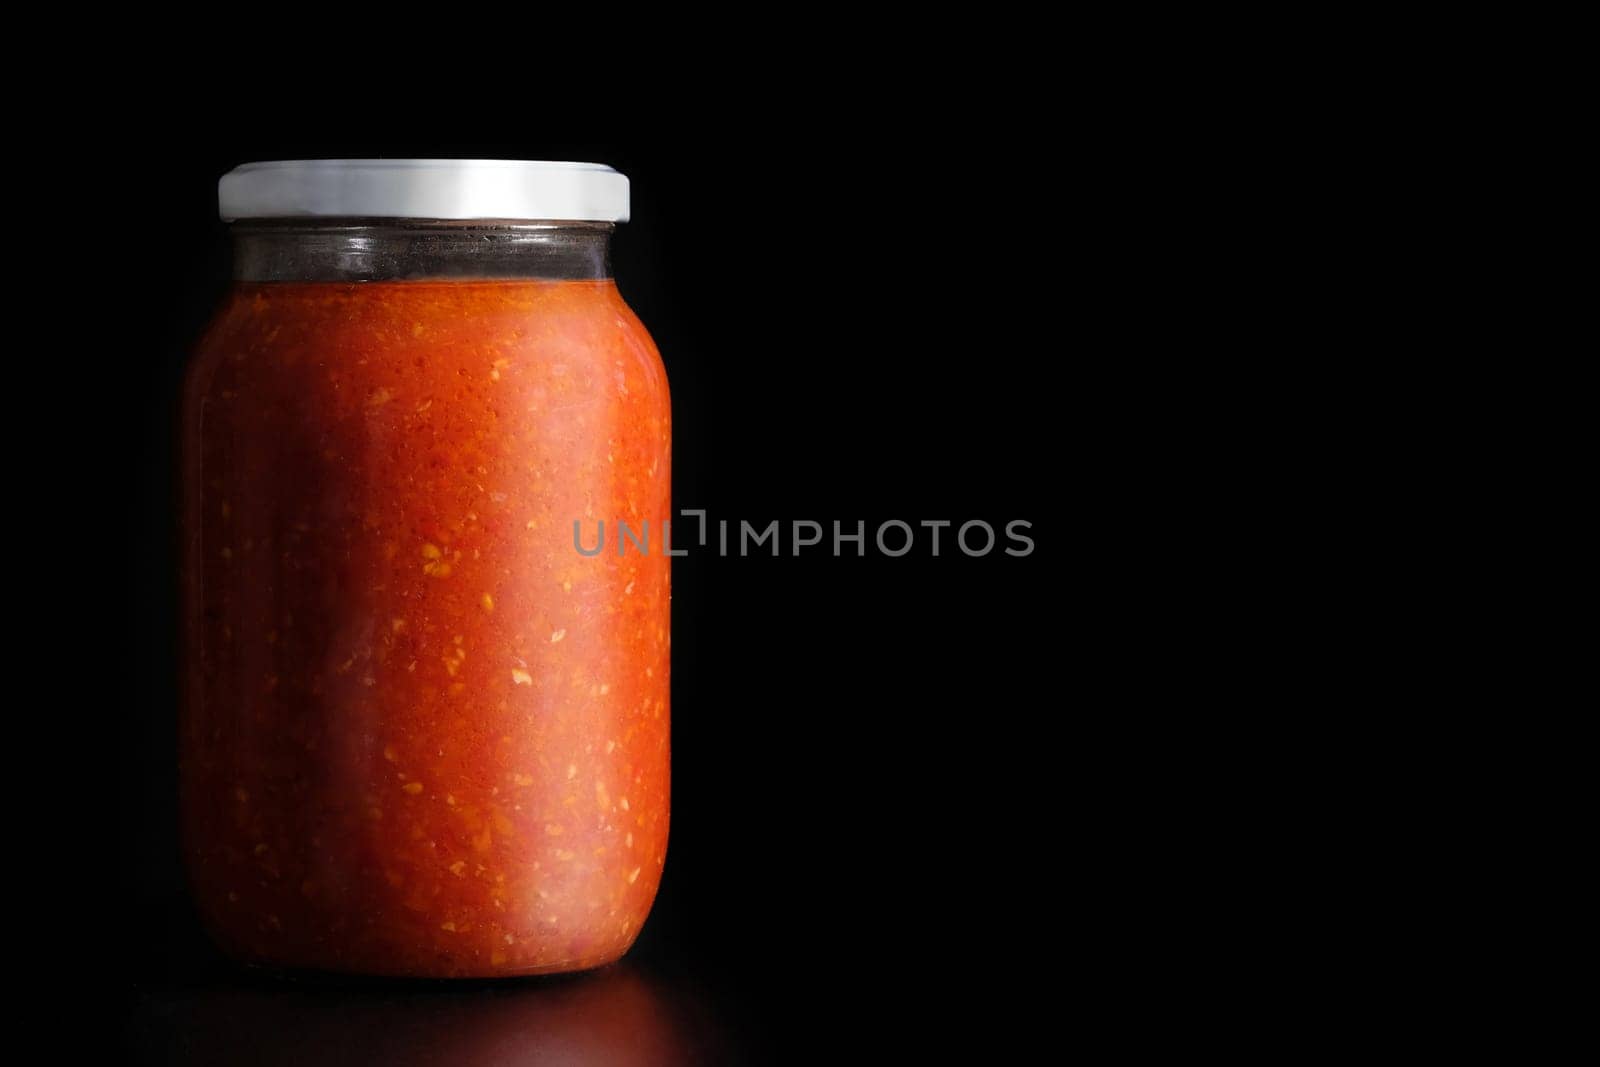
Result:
<point x="424" y="189"/>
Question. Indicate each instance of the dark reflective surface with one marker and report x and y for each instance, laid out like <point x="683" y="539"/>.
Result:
<point x="189" y="1005"/>
<point x="619" y="1015"/>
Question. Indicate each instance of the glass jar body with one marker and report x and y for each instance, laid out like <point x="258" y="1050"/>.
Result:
<point x="422" y="733"/>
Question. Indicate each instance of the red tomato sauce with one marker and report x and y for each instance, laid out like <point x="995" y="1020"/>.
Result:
<point x="422" y="734"/>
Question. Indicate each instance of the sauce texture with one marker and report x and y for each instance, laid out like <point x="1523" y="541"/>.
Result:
<point x="422" y="734"/>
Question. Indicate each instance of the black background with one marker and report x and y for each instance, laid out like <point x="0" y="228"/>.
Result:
<point x="879" y="812"/>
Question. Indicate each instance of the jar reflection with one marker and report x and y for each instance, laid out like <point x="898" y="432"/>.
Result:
<point x="617" y="1015"/>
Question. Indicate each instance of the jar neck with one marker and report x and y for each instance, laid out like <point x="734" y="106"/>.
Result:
<point x="369" y="250"/>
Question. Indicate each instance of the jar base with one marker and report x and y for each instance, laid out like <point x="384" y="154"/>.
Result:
<point x="326" y="971"/>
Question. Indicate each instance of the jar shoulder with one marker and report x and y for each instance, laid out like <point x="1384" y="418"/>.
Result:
<point x="565" y="336"/>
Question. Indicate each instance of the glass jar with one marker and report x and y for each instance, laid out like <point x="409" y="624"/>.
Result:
<point x="423" y="734"/>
